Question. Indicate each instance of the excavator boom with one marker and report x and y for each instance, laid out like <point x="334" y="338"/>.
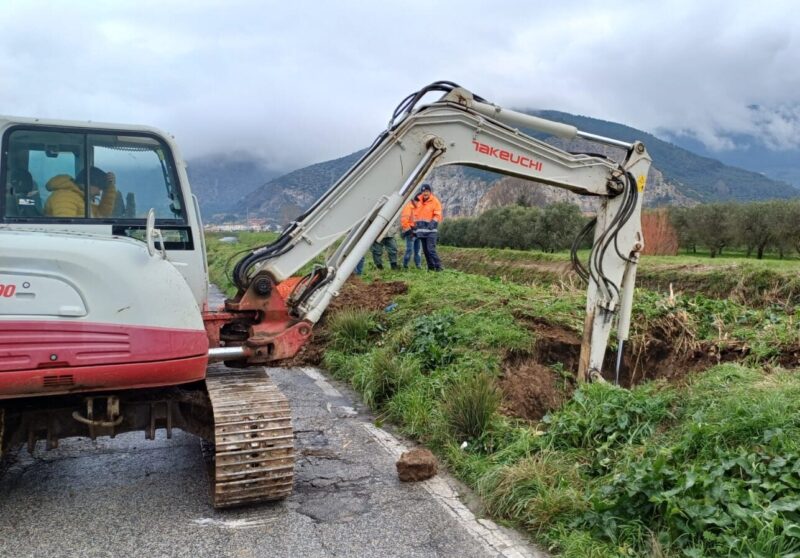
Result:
<point x="463" y="129"/>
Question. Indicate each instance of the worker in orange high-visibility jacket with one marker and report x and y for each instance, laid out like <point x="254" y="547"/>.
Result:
<point x="413" y="244"/>
<point x="427" y="216"/>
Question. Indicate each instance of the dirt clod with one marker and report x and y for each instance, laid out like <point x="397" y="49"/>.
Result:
<point x="415" y="465"/>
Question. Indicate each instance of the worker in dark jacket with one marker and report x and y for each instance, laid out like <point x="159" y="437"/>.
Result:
<point x="427" y="216"/>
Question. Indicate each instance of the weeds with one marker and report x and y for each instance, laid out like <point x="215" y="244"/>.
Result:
<point x="469" y="406"/>
<point x="385" y="374"/>
<point x="723" y="481"/>
<point x="602" y="417"/>
<point x="433" y="340"/>
<point x="351" y="330"/>
<point x="536" y="491"/>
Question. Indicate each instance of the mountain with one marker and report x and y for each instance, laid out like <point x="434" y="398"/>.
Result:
<point x="284" y="198"/>
<point x="701" y="178"/>
<point x="219" y="181"/>
<point x="750" y="153"/>
<point x="678" y="177"/>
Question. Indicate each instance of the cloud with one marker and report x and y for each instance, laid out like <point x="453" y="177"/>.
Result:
<point x="298" y="83"/>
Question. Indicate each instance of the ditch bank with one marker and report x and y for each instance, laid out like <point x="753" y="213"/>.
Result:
<point x="743" y="283"/>
<point x="541" y="380"/>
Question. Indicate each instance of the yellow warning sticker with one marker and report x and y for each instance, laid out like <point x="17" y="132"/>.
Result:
<point x="640" y="182"/>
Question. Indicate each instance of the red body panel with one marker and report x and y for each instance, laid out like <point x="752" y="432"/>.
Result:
<point x="53" y="381"/>
<point x="45" y="357"/>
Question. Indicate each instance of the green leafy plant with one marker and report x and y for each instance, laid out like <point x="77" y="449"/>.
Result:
<point x="433" y="340"/>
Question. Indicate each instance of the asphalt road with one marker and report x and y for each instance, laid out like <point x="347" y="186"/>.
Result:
<point x="130" y="497"/>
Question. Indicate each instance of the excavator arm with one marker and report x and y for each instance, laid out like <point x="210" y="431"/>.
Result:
<point x="463" y="129"/>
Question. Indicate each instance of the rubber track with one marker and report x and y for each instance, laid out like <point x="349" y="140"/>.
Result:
<point x="253" y="457"/>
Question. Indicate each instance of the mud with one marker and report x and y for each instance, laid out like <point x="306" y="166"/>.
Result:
<point x="356" y="295"/>
<point x="537" y="382"/>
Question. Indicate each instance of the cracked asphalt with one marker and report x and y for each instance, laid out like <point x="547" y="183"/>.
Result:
<point x="130" y="497"/>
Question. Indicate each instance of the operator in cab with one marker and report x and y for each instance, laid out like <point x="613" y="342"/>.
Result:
<point x="67" y="195"/>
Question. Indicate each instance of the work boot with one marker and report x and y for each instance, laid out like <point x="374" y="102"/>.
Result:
<point x="380" y="267"/>
<point x="395" y="266"/>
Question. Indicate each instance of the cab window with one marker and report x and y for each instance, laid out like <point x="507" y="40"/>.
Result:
<point x="56" y="176"/>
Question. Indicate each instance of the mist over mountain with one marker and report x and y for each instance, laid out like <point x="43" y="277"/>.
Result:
<point x="678" y="177"/>
<point x="219" y="181"/>
<point x="750" y="153"/>
<point x="699" y="177"/>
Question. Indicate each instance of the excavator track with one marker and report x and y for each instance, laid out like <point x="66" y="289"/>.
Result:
<point x="253" y="453"/>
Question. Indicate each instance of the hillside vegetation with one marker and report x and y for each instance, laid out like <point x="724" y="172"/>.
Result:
<point x="699" y="458"/>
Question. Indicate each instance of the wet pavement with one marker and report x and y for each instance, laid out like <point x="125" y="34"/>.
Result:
<point x="130" y="497"/>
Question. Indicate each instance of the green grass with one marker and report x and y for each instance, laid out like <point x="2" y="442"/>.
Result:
<point x="470" y="404"/>
<point x="222" y="256"/>
<point x="709" y="467"/>
<point x="352" y="330"/>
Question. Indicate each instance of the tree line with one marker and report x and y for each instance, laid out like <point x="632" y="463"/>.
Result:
<point x="755" y="228"/>
<point x="548" y="229"/>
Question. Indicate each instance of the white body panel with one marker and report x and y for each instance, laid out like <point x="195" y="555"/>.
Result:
<point x="98" y="279"/>
<point x="191" y="264"/>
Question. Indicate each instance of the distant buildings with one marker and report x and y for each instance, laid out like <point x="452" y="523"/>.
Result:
<point x="252" y="225"/>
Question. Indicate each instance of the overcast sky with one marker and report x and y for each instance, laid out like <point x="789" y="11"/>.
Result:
<point x="301" y="82"/>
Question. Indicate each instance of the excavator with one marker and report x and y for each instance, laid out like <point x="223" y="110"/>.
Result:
<point x="105" y="325"/>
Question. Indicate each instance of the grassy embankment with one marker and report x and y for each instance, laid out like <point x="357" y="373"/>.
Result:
<point x="707" y="466"/>
<point x="747" y="280"/>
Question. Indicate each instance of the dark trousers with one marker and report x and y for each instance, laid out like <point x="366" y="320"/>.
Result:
<point x="431" y="257"/>
<point x="391" y="249"/>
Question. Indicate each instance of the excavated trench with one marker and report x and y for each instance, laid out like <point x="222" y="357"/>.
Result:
<point x="541" y="380"/>
<point x="537" y="382"/>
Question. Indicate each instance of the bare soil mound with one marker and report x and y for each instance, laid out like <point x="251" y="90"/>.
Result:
<point x="356" y="295"/>
<point x="536" y="383"/>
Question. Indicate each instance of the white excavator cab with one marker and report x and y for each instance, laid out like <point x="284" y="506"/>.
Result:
<point x="101" y="180"/>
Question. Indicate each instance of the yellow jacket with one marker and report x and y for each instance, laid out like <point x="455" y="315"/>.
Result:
<point x="66" y="199"/>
